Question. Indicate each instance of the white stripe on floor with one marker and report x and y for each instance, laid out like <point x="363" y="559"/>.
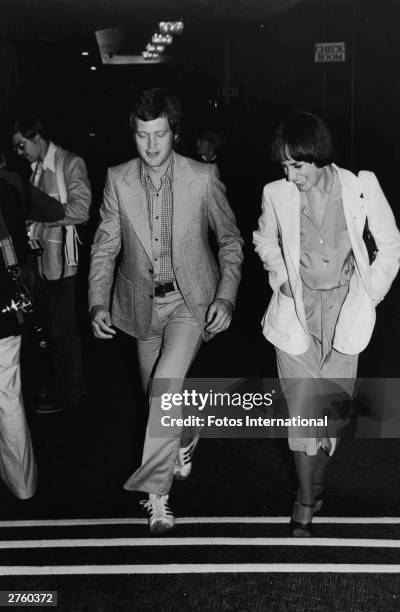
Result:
<point x="205" y="520"/>
<point x="206" y="568"/>
<point x="193" y="541"/>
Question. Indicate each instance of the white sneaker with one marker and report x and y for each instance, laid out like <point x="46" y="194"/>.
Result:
<point x="183" y="464"/>
<point x="161" y="517"/>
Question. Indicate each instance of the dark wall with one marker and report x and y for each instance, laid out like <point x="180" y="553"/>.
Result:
<point x="271" y="63"/>
<point x="275" y="71"/>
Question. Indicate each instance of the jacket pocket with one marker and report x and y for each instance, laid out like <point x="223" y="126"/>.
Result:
<point x="123" y="296"/>
<point x="281" y="325"/>
<point x="280" y="311"/>
<point x="356" y="320"/>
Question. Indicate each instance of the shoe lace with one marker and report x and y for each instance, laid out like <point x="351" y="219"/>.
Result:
<point x="157" y="508"/>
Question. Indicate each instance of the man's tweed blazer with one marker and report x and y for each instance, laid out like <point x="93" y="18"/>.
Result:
<point x="199" y="204"/>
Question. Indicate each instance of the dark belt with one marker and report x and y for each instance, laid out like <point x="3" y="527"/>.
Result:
<point x="162" y="290"/>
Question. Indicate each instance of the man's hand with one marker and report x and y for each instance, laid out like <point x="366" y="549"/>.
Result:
<point x="101" y="323"/>
<point x="219" y="316"/>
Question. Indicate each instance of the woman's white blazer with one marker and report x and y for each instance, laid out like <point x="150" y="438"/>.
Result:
<point x="277" y="242"/>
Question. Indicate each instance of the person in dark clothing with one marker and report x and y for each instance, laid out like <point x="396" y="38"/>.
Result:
<point x="17" y="460"/>
<point x="208" y="147"/>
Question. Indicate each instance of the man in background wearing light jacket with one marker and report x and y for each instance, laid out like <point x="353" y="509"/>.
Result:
<point x="62" y="176"/>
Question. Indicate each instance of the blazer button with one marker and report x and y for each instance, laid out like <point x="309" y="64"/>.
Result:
<point x="151" y="271"/>
<point x="150" y="296"/>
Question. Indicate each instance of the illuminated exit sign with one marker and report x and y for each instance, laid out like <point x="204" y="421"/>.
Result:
<point x="330" y="52"/>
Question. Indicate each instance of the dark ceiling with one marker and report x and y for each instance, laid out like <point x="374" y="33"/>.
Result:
<point x="109" y="13"/>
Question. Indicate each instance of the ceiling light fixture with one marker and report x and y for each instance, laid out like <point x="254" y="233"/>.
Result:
<point x="111" y="40"/>
<point x="162" y="38"/>
<point x="171" y="27"/>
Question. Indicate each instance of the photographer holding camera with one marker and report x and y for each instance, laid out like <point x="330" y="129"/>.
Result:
<point x="17" y="460"/>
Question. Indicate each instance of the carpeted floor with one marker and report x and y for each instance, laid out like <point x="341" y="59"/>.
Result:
<point x="217" y="592"/>
<point x="85" y="456"/>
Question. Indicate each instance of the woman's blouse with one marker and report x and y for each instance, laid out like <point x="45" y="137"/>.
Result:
<point x="326" y="264"/>
<point x="326" y="259"/>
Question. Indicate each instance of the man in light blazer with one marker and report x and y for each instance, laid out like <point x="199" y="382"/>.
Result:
<point x="169" y="291"/>
<point x="62" y="177"/>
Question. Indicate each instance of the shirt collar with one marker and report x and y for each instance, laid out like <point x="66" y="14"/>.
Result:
<point x="145" y="176"/>
<point x="49" y="161"/>
<point x="304" y="204"/>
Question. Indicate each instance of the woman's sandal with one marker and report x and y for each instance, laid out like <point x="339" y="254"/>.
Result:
<point x="301" y="530"/>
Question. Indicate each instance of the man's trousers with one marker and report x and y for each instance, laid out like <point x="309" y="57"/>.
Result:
<point x="56" y="302"/>
<point x="166" y="354"/>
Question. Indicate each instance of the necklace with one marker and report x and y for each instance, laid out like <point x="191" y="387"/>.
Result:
<point x="329" y="176"/>
<point x="318" y="200"/>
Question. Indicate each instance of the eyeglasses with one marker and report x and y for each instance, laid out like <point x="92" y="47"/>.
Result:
<point x="19" y="146"/>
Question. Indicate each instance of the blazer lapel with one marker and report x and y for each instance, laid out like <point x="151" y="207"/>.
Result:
<point x="354" y="212"/>
<point x="288" y="211"/>
<point x="352" y="197"/>
<point x="134" y="200"/>
<point x="181" y="197"/>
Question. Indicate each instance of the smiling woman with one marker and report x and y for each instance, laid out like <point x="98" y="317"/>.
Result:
<point x="306" y="176"/>
<point x="322" y="313"/>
